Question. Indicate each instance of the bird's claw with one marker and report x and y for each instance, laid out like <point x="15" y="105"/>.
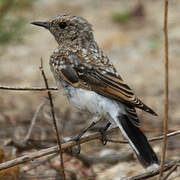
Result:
<point x="103" y="134"/>
<point x="103" y="137"/>
<point x="77" y="139"/>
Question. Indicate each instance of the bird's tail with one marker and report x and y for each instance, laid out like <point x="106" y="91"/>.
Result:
<point x="138" y="142"/>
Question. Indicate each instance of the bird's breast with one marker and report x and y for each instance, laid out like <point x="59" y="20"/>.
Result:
<point x="92" y="102"/>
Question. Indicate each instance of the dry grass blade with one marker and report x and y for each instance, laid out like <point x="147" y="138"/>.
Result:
<point x="166" y="87"/>
<point x="33" y="121"/>
<point x="54" y="120"/>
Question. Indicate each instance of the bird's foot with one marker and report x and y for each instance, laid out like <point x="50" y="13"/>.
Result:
<point x="103" y="133"/>
<point x="77" y="139"/>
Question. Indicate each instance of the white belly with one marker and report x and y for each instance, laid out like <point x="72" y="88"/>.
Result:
<point x="94" y="103"/>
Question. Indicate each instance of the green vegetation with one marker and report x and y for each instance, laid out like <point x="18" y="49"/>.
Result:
<point x="122" y="17"/>
<point x="12" y="25"/>
<point x="137" y="12"/>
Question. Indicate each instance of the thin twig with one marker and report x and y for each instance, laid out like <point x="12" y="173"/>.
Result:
<point x="88" y="159"/>
<point x="171" y="171"/>
<point x="41" y="162"/>
<point x="149" y="139"/>
<point x="34" y="120"/>
<point x="54" y="149"/>
<point x="165" y="122"/>
<point x="110" y="158"/>
<point x="54" y="120"/>
<point x="155" y="172"/>
<point x="28" y="88"/>
<point x="38" y="144"/>
<point x="41" y="176"/>
<point x="65" y="146"/>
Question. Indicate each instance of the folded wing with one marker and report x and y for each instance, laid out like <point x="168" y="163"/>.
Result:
<point x="105" y="83"/>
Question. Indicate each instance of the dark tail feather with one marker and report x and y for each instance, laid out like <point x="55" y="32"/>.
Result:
<point x="138" y="142"/>
<point x="144" y="107"/>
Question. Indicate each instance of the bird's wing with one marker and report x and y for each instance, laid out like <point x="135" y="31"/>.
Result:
<point x="108" y="84"/>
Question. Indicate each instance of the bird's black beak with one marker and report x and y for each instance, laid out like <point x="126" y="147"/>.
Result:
<point x="41" y="23"/>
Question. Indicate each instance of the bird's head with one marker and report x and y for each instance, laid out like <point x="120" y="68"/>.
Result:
<point x="68" y="29"/>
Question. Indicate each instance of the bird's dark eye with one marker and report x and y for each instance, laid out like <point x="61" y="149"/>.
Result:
<point x="62" y="25"/>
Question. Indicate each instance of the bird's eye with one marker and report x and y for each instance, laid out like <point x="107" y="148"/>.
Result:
<point x="62" y="25"/>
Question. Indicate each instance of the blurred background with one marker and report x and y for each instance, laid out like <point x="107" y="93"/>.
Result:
<point x="131" y="34"/>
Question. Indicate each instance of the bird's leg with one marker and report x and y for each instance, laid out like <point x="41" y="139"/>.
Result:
<point x="103" y="133"/>
<point x="77" y="137"/>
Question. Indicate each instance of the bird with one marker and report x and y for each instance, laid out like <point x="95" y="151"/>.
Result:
<point x="91" y="82"/>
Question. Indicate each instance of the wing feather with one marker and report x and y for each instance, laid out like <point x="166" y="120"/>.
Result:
<point x="103" y="82"/>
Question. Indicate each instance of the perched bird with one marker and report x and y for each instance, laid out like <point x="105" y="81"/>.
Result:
<point x="91" y="82"/>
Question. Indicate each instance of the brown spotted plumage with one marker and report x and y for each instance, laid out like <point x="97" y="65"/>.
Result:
<point x="92" y="83"/>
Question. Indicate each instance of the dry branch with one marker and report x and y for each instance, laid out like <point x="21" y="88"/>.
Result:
<point x="54" y="149"/>
<point x="38" y="144"/>
<point x="166" y="105"/>
<point x="149" y="139"/>
<point x="110" y="159"/>
<point x="54" y="120"/>
<point x="37" y="164"/>
<point x="8" y="88"/>
<point x="65" y="146"/>
<point x="171" y="171"/>
<point x="149" y="174"/>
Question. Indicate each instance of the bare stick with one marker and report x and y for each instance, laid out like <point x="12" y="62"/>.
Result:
<point x="149" y="139"/>
<point x="28" y="88"/>
<point x="110" y="158"/>
<point x="165" y="122"/>
<point x="171" y="171"/>
<point x="54" y="149"/>
<point x="23" y="146"/>
<point x="34" y="120"/>
<point x="41" y="162"/>
<point x="54" y="120"/>
<point x="154" y="172"/>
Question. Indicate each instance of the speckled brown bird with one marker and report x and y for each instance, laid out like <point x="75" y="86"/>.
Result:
<point x="91" y="82"/>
